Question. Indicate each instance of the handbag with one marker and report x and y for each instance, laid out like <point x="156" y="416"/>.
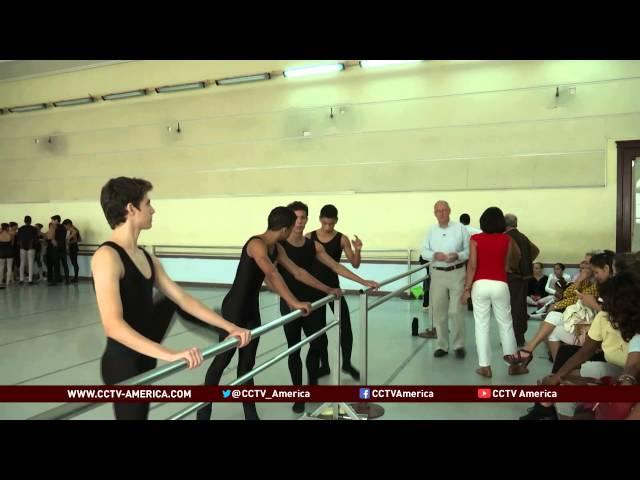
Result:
<point x="609" y="410"/>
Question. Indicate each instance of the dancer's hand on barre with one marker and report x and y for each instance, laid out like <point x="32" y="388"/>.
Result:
<point x="192" y="356"/>
<point x="243" y="335"/>
<point x="304" y="306"/>
<point x="335" y="291"/>
<point x="371" y="284"/>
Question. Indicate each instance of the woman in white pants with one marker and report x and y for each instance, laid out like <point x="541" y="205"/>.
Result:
<point x="490" y="254"/>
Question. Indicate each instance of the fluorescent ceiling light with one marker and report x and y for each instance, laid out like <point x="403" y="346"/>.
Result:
<point x="245" y="79"/>
<point x="384" y="63"/>
<point x="316" y="70"/>
<point x="118" y="96"/>
<point x="181" y="87"/>
<point x="75" y="101"/>
<point x="28" y="108"/>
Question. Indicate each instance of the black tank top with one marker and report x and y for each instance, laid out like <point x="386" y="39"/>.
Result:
<point x="243" y="298"/>
<point x="136" y="294"/>
<point x="303" y="257"/>
<point x="320" y="270"/>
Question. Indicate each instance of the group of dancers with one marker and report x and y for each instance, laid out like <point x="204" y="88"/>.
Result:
<point x="299" y="268"/>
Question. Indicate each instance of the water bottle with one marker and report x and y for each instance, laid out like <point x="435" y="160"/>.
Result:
<point x="414" y="327"/>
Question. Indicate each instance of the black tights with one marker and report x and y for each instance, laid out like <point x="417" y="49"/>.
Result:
<point x="293" y="331"/>
<point x="246" y="361"/>
<point x="73" y="256"/>
<point x="346" y="335"/>
<point x="120" y="363"/>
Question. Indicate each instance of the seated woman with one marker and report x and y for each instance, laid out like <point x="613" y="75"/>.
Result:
<point x="630" y="262"/>
<point x="609" y="332"/>
<point x="537" y="285"/>
<point x="555" y="327"/>
<point x="556" y="283"/>
<point x="631" y="374"/>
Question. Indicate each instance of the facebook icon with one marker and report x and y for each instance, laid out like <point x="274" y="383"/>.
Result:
<point x="365" y="394"/>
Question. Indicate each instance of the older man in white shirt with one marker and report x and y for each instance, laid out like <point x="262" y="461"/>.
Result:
<point x="446" y="247"/>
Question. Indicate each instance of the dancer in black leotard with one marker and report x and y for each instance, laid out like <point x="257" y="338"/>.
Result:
<point x="303" y="251"/>
<point x="334" y="243"/>
<point x="6" y="253"/>
<point x="124" y="276"/>
<point x="241" y="304"/>
<point x="73" y="238"/>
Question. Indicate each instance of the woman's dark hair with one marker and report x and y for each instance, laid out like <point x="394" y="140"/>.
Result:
<point x="604" y="259"/>
<point x="621" y="300"/>
<point x="492" y="221"/>
<point x="561" y="265"/>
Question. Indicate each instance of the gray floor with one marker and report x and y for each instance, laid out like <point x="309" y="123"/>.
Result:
<point x="52" y="336"/>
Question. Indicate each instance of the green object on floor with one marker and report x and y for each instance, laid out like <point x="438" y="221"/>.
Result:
<point x="417" y="291"/>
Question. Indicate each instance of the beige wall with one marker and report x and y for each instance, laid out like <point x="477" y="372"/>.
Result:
<point x="475" y="133"/>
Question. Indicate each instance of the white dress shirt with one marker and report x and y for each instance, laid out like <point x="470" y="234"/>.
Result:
<point x="452" y="238"/>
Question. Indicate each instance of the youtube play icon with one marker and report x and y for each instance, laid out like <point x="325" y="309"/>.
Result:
<point x="484" y="393"/>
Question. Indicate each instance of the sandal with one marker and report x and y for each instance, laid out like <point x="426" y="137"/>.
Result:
<point x="523" y="361"/>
